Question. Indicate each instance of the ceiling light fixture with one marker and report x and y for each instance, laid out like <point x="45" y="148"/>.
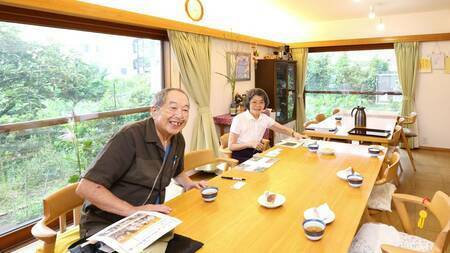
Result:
<point x="380" y="25"/>
<point x="371" y="12"/>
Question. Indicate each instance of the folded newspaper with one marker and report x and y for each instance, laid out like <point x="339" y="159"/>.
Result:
<point x="136" y="232"/>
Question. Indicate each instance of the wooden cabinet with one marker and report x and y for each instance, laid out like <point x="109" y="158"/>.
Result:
<point x="277" y="78"/>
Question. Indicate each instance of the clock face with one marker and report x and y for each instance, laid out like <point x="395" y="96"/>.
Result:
<point x="194" y="9"/>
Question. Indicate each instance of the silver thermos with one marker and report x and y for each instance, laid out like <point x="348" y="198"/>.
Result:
<point x="360" y="116"/>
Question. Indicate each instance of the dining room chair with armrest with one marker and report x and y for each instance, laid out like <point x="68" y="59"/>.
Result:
<point x="408" y="133"/>
<point x="320" y="117"/>
<point x="199" y="158"/>
<point x="380" y="198"/>
<point x="395" y="141"/>
<point x="371" y="237"/>
<point x="56" y="206"/>
<point x="336" y="110"/>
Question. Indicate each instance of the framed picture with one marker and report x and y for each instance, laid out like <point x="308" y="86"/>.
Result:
<point x="425" y="64"/>
<point x="437" y="60"/>
<point x="238" y="65"/>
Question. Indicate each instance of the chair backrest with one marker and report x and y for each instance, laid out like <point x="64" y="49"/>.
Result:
<point x="396" y="136"/>
<point x="307" y="123"/>
<point x="336" y="110"/>
<point x="59" y="203"/>
<point x="389" y="173"/>
<point x="411" y="118"/>
<point x="439" y="206"/>
<point x="224" y="140"/>
<point x="320" y="117"/>
<point x="198" y="158"/>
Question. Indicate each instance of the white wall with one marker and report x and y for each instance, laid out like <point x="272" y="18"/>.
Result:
<point x="433" y="100"/>
<point x="220" y="89"/>
<point x="395" y="25"/>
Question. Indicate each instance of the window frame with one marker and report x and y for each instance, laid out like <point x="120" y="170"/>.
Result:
<point x="349" y="48"/>
<point x="22" y="233"/>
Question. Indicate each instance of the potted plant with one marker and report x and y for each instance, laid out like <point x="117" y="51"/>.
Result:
<point x="231" y="79"/>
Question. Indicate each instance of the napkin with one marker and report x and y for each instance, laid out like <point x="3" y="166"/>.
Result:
<point x="322" y="212"/>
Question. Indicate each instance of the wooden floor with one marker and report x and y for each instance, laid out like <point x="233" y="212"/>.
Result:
<point x="433" y="174"/>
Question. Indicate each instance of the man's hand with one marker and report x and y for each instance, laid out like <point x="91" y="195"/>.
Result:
<point x="196" y="184"/>
<point x="149" y="207"/>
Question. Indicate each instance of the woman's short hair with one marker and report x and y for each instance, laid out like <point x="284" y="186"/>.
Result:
<point x="256" y="92"/>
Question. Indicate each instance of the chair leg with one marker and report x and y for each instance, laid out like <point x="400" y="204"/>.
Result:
<point x="405" y="142"/>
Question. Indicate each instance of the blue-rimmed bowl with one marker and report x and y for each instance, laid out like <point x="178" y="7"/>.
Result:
<point x="338" y="118"/>
<point x="355" y="180"/>
<point x="313" y="147"/>
<point x="314" y="229"/>
<point x="209" y="193"/>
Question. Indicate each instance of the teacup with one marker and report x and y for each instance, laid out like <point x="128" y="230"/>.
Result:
<point x="209" y="193"/>
<point x="313" y="147"/>
<point x="355" y="180"/>
<point x="314" y="229"/>
<point x="374" y="150"/>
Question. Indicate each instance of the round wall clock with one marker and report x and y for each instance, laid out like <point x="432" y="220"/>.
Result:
<point x="194" y="9"/>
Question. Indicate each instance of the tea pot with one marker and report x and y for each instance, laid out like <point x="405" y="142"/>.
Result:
<point x="360" y="116"/>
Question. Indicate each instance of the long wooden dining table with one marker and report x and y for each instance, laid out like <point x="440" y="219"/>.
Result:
<point x="235" y="222"/>
<point x="375" y="120"/>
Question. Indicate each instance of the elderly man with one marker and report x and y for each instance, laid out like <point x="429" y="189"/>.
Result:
<point x="134" y="168"/>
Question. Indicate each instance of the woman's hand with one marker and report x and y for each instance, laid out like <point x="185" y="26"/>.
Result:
<point x="256" y="145"/>
<point x="299" y="136"/>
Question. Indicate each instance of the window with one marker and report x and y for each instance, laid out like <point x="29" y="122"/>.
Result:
<point x="49" y="74"/>
<point x="350" y="78"/>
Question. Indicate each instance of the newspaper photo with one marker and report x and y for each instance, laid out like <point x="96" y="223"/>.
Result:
<point x="136" y="232"/>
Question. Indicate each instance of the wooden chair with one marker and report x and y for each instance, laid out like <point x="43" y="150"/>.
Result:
<point x="227" y="152"/>
<point x="439" y="207"/>
<point x="320" y="117"/>
<point x="199" y="158"/>
<point x="336" y="110"/>
<point x="307" y="123"/>
<point x="407" y="133"/>
<point x="395" y="141"/>
<point x="56" y="206"/>
<point x="381" y="195"/>
<point x="371" y="237"/>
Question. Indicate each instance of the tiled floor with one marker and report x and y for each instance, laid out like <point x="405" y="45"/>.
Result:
<point x="433" y="174"/>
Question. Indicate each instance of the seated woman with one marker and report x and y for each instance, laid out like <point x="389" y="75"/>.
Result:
<point x="247" y="128"/>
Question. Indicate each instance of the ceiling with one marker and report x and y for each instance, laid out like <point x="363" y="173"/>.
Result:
<point x="328" y="10"/>
<point x="295" y="20"/>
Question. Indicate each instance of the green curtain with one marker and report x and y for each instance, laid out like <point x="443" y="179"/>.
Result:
<point x="407" y="55"/>
<point x="301" y="56"/>
<point x="193" y="55"/>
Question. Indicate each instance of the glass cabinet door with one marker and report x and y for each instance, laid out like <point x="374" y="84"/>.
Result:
<point x="291" y="76"/>
<point x="281" y="100"/>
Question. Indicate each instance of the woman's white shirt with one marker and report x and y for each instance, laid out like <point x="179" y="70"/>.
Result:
<point x="250" y="129"/>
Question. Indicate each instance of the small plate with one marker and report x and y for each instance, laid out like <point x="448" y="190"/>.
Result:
<point x="343" y="174"/>
<point x="310" y="214"/>
<point x="377" y="146"/>
<point x="326" y="151"/>
<point x="279" y="200"/>
<point x="211" y="168"/>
